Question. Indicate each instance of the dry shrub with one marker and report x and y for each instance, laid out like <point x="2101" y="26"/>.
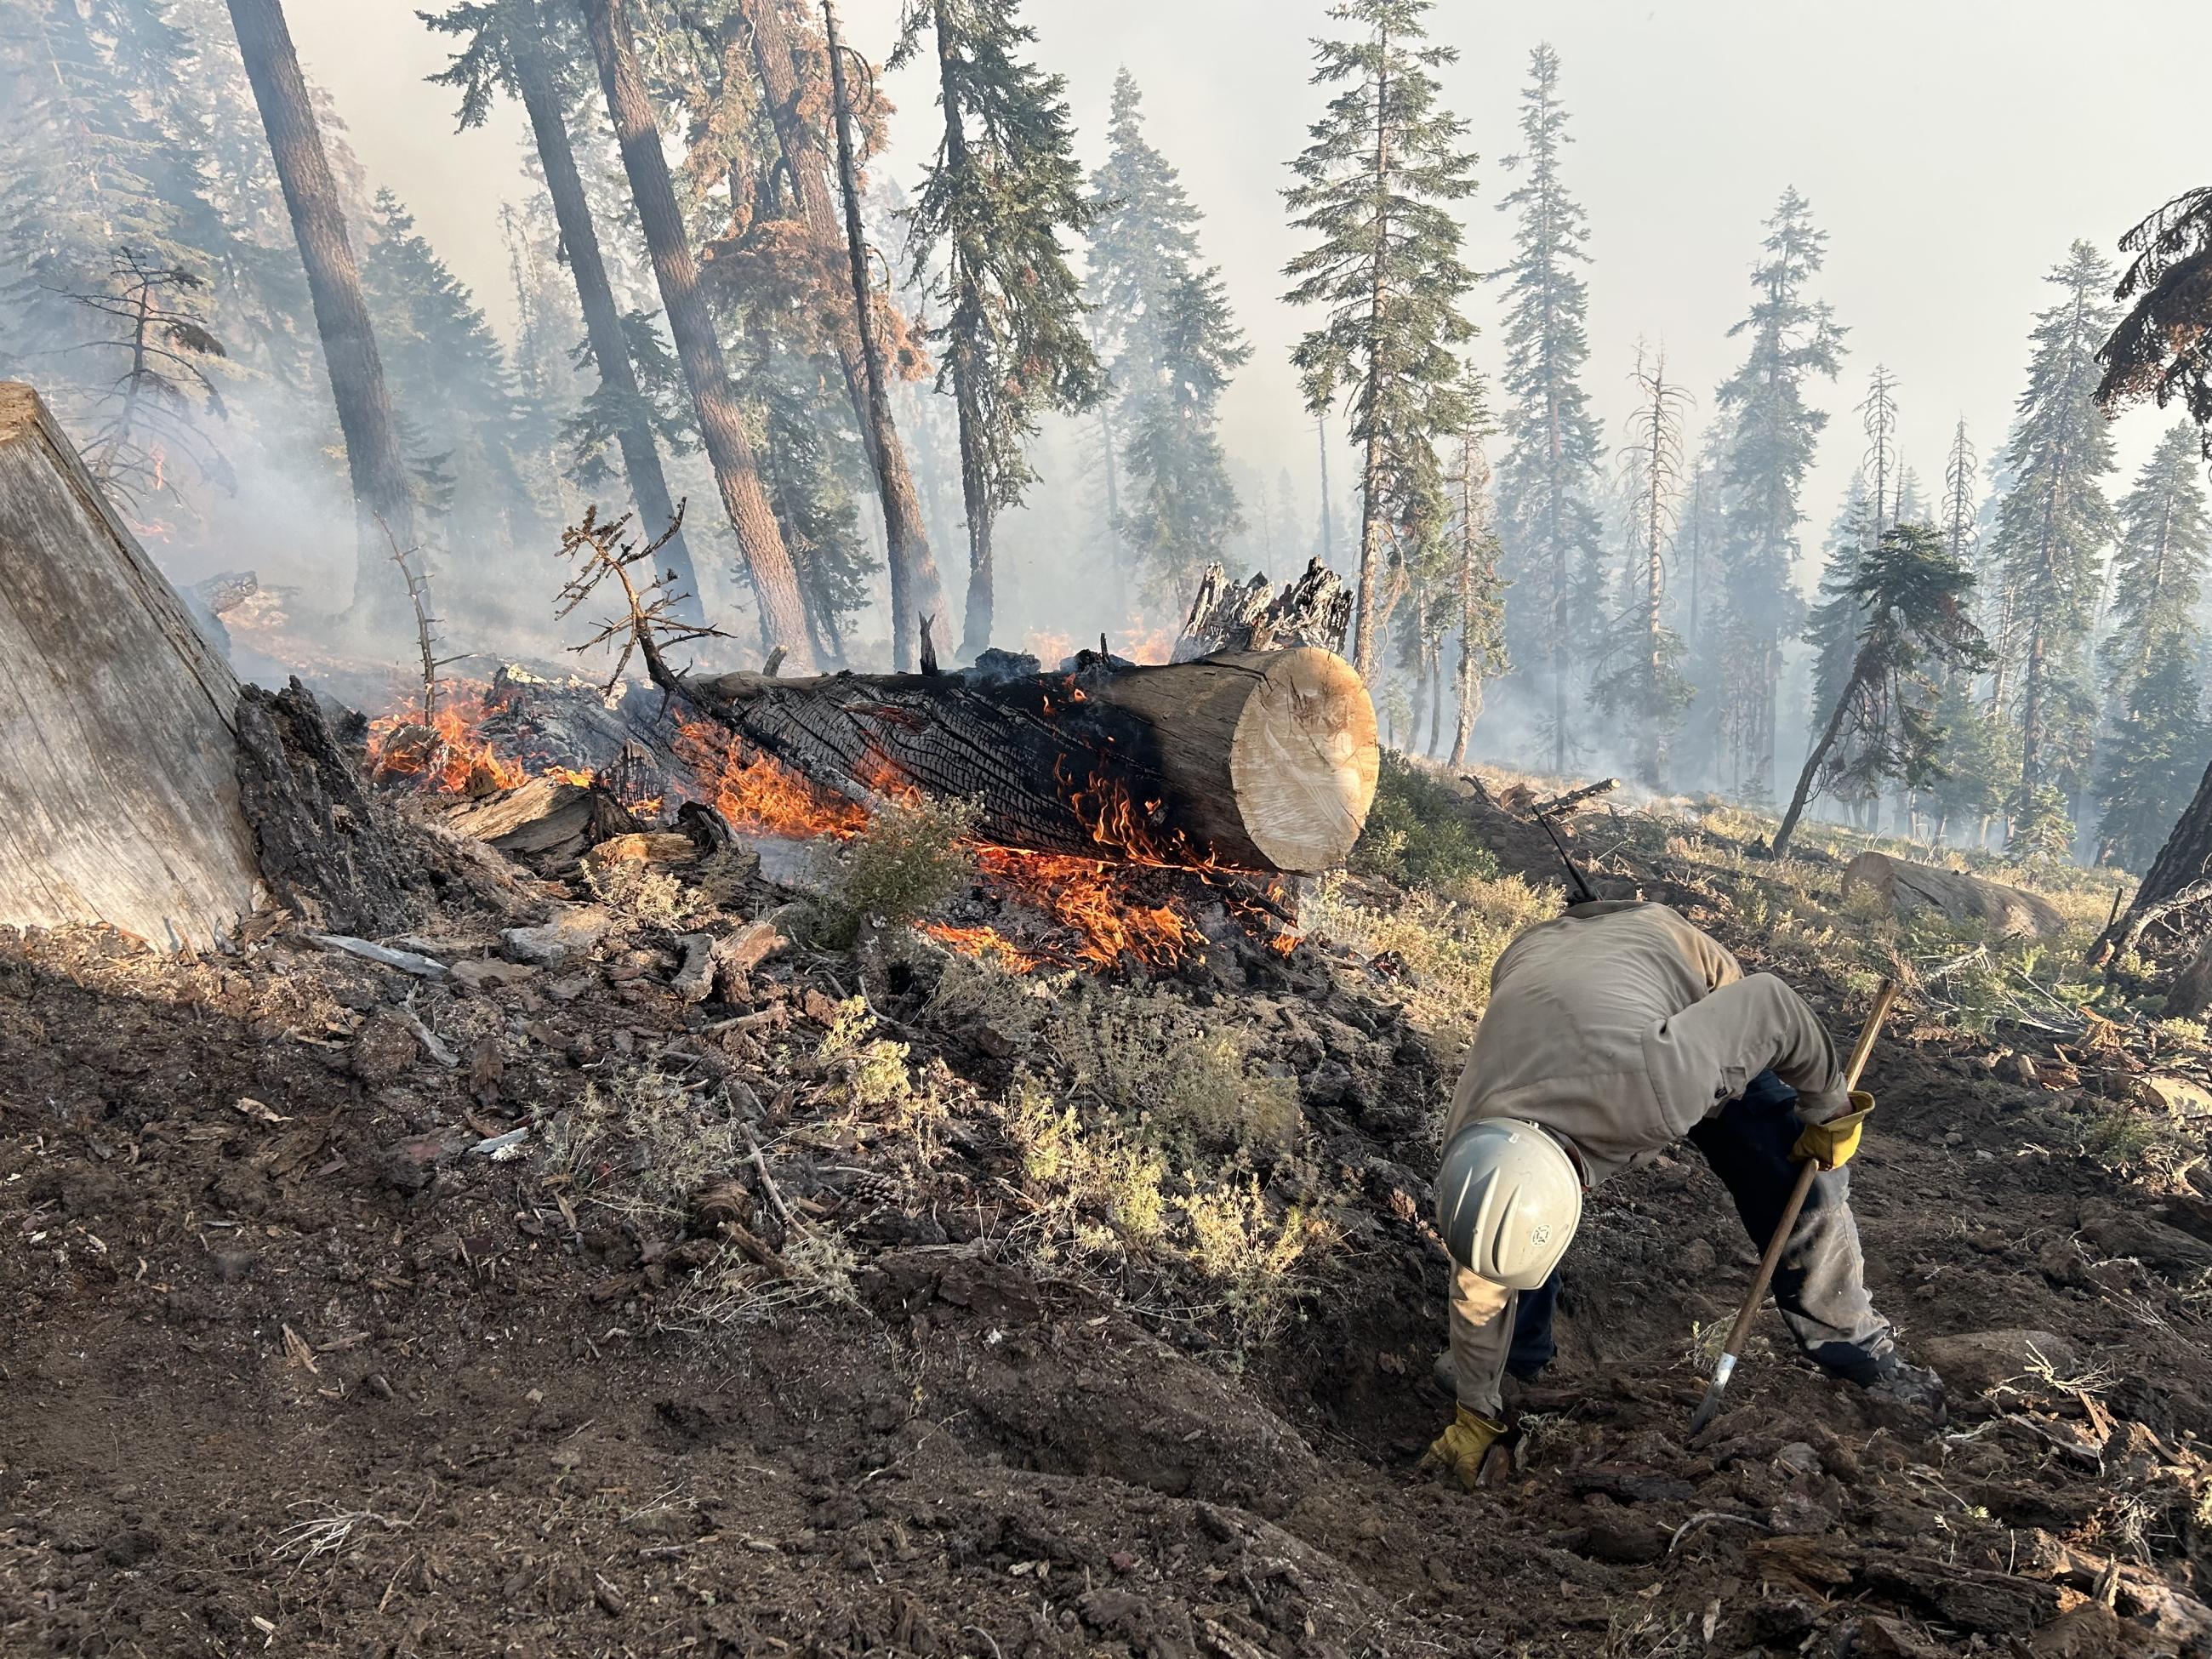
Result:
<point x="1101" y="1185"/>
<point x="641" y="1143"/>
<point x="1255" y="1261"/>
<point x="647" y="894"/>
<point x="1155" y="1057"/>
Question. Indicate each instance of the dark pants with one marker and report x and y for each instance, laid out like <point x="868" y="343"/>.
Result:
<point x="1819" y="1285"/>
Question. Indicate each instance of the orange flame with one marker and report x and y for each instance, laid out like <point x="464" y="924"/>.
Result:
<point x="982" y="943"/>
<point x="448" y="753"/>
<point x="1093" y="899"/>
<point x="762" y="796"/>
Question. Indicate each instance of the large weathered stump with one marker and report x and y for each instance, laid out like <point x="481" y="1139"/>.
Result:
<point x="118" y="797"/>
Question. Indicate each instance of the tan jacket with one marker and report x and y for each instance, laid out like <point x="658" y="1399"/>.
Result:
<point x="1620" y="1027"/>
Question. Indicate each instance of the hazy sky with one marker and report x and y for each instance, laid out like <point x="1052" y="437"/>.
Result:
<point x="1952" y="150"/>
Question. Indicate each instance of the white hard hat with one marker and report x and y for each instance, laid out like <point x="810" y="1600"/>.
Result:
<point x="1507" y="1201"/>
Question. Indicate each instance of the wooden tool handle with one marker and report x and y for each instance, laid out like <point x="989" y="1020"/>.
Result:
<point x="1767" y="1263"/>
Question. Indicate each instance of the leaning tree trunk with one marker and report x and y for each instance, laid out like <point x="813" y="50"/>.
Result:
<point x="118" y="797"/>
<point x="2179" y="878"/>
<point x="916" y="589"/>
<point x="1261" y="761"/>
<point x="364" y="407"/>
<point x="580" y="240"/>
<point x="1779" y="846"/>
<point x="721" y="422"/>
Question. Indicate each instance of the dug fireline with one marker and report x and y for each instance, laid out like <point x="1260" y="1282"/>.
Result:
<point x="1612" y="1033"/>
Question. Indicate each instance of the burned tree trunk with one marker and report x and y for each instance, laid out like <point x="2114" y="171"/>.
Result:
<point x="1261" y="761"/>
<point x="118" y="800"/>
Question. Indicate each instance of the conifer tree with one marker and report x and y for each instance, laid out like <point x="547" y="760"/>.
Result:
<point x="1480" y="591"/>
<point x="1549" y="474"/>
<point x="2165" y="541"/>
<point x="384" y="503"/>
<point x="2052" y="527"/>
<point x="1640" y="676"/>
<point x="1168" y="343"/>
<point x="1179" y="506"/>
<point x="448" y="370"/>
<point x="517" y="45"/>
<point x="1375" y="188"/>
<point x="1770" y="436"/>
<point x="2155" y="759"/>
<point x="995" y="199"/>
<point x="1918" y="627"/>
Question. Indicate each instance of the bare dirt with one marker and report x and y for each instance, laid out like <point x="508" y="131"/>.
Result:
<point x="287" y="1366"/>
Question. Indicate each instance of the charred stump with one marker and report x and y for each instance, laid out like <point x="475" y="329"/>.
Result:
<point x="323" y="846"/>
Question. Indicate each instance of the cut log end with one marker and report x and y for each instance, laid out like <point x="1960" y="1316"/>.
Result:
<point x="1303" y="760"/>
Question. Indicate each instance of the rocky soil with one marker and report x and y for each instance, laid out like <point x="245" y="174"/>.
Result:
<point x="536" y="1300"/>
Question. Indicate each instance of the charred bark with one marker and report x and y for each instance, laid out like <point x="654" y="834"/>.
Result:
<point x="323" y="845"/>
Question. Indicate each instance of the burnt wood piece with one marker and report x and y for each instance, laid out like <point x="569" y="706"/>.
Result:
<point x="324" y="846"/>
<point x="1261" y="760"/>
<point x="118" y="795"/>
<point x="546" y="824"/>
<point x="1315" y="610"/>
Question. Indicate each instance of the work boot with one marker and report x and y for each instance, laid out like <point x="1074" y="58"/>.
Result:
<point x="1915" y="1389"/>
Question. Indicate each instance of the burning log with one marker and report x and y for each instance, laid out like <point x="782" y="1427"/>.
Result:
<point x="118" y="801"/>
<point x="1263" y="761"/>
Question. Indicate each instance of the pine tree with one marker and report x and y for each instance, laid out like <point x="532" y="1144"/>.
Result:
<point x="1480" y="591"/>
<point x="1770" y="433"/>
<point x="512" y="45"/>
<point x="714" y="404"/>
<point x="1550" y="471"/>
<point x="1164" y="332"/>
<point x="2152" y="765"/>
<point x="448" y="370"/>
<point x="1640" y="676"/>
<point x="2052" y="527"/>
<point x="1179" y="505"/>
<point x="384" y="504"/>
<point x="2163" y="347"/>
<point x="1916" y="601"/>
<point x="1374" y="187"/>
<point x="1002" y="188"/>
<point x="2166" y="543"/>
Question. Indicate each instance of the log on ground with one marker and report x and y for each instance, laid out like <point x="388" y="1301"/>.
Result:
<point x="118" y="801"/>
<point x="1261" y="761"/>
<point x="1919" y="888"/>
<point x="546" y="823"/>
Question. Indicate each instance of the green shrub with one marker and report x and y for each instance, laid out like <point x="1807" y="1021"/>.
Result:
<point x="909" y="859"/>
<point x="1418" y="834"/>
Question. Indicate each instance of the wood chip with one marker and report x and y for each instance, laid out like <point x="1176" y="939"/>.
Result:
<point x="301" y="1354"/>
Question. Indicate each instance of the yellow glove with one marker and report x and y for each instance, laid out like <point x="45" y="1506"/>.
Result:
<point x="1831" y="1145"/>
<point x="1461" y="1448"/>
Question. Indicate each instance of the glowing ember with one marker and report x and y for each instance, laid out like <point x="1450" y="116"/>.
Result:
<point x="1283" y="944"/>
<point x="984" y="944"/>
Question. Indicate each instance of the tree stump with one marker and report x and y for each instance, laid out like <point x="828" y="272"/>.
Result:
<point x="118" y="794"/>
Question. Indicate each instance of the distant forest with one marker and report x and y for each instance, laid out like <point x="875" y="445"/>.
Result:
<point x="716" y="301"/>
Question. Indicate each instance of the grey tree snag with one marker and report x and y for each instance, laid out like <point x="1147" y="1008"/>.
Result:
<point x="916" y="588"/>
<point x="541" y="101"/>
<point x="118" y="801"/>
<point x="713" y="402"/>
<point x="364" y="406"/>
